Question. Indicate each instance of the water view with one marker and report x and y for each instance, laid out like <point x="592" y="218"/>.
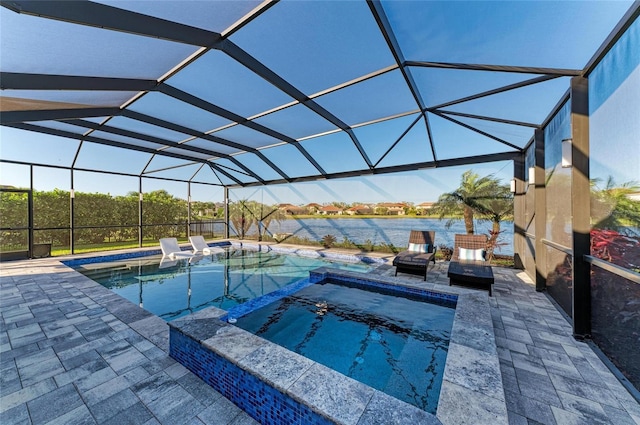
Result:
<point x="386" y="230"/>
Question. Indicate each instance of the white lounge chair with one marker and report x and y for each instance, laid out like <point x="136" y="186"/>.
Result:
<point x="171" y="249"/>
<point x="200" y="245"/>
<point x="167" y="262"/>
<point x="195" y="258"/>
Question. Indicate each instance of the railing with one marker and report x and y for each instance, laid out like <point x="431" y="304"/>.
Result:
<point x="557" y="246"/>
<point x="613" y="268"/>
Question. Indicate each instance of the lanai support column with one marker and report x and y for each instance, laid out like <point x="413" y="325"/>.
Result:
<point x="226" y="212"/>
<point x="580" y="207"/>
<point x="519" y="213"/>
<point x="540" y="200"/>
<point x="188" y="209"/>
<point x="72" y="214"/>
<point x="30" y="212"/>
<point x="140" y="223"/>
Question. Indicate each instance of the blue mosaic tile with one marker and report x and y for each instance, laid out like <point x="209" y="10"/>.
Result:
<point x="114" y="257"/>
<point x="365" y="281"/>
<point x="261" y="401"/>
<point x="259" y="302"/>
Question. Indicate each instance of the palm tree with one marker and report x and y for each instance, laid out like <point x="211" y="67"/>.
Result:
<point x="241" y="216"/>
<point x="244" y="214"/>
<point x="465" y="199"/>
<point x="496" y="207"/>
<point x="612" y="207"/>
<point x="269" y="214"/>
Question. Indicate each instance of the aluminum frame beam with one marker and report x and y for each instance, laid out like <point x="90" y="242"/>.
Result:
<point x="558" y="72"/>
<point x="486" y="118"/>
<point x="112" y="18"/>
<point x="14" y="117"/>
<point x="244" y="58"/>
<point x="207" y="106"/>
<point x="24" y="81"/>
<point x="107" y="142"/>
<point x="479" y="159"/>
<point x="387" y="32"/>
<point x="483" y="133"/>
<point x="502" y="89"/>
<point x="164" y="143"/>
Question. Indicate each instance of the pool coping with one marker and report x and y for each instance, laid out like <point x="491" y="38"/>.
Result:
<point x="313" y="252"/>
<point x="472" y="391"/>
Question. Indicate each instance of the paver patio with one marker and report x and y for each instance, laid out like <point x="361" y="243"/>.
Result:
<point x="71" y="351"/>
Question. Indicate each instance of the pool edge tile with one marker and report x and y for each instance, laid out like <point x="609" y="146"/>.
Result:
<point x="342" y="398"/>
<point x="233" y="343"/>
<point x="385" y="409"/>
<point x="281" y="374"/>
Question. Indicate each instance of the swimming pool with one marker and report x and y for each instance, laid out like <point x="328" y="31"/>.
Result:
<point x="174" y="288"/>
<point x="392" y="341"/>
<point x="275" y="385"/>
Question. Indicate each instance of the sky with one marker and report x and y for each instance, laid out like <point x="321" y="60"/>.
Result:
<point x="312" y="45"/>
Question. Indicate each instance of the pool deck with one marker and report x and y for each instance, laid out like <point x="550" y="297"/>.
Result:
<point x="71" y="351"/>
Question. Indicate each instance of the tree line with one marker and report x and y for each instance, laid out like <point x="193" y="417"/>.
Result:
<point x="98" y="217"/>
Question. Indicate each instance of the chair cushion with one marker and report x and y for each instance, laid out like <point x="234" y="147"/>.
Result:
<point x="418" y="247"/>
<point x="412" y="259"/>
<point x="471" y="254"/>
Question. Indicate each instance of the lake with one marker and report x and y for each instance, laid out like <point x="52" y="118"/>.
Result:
<point x="386" y="230"/>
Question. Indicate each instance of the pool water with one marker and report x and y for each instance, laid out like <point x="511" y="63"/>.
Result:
<point x="175" y="288"/>
<point x="393" y="343"/>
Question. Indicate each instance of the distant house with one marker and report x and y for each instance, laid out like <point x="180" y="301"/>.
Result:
<point x="313" y="208"/>
<point x="390" y="208"/>
<point x="424" y="207"/>
<point x="330" y="210"/>
<point x="291" y="209"/>
<point x="359" y="210"/>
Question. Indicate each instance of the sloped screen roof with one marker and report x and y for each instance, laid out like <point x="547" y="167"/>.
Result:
<point x="272" y="92"/>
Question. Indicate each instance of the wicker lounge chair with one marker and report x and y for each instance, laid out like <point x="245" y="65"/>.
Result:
<point x="200" y="246"/>
<point x="470" y="268"/>
<point x="171" y="249"/>
<point x="415" y="260"/>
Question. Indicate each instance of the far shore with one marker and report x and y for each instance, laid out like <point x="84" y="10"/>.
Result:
<point x="341" y="216"/>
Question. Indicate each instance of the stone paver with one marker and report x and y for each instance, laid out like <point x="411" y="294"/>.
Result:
<point x="548" y="376"/>
<point x="73" y="352"/>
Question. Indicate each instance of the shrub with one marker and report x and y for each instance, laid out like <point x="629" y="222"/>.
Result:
<point x="368" y="245"/>
<point x="328" y="241"/>
<point x="348" y="243"/>
<point x="445" y="252"/>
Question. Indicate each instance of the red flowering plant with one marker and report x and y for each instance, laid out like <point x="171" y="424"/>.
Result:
<point x="616" y="248"/>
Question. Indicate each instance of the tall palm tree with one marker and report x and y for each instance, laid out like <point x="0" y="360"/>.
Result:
<point x="241" y="216"/>
<point x="269" y="214"/>
<point x="496" y="207"/>
<point x="472" y="189"/>
<point x="244" y="214"/>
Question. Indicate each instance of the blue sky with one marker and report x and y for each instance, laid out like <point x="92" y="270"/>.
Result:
<point x="311" y="45"/>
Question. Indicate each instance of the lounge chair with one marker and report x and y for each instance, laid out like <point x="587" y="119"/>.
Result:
<point x="171" y="249"/>
<point x="200" y="246"/>
<point x="468" y="265"/>
<point x="415" y="259"/>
